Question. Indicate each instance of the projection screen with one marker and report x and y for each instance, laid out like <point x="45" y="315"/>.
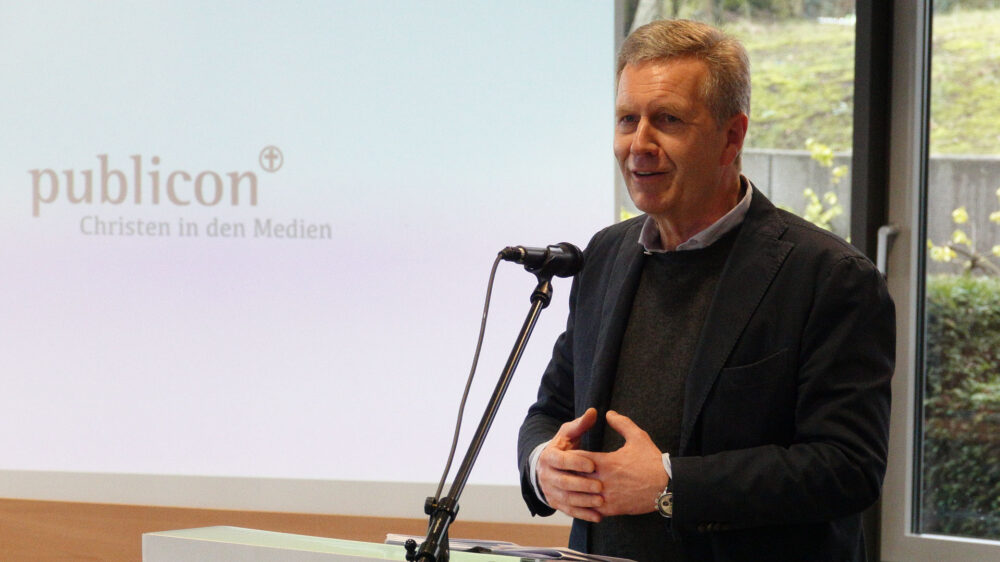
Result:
<point x="246" y="244"/>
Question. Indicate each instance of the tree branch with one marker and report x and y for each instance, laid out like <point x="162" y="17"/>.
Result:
<point x="976" y="259"/>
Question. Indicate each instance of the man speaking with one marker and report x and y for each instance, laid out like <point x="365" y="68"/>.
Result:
<point x="721" y="391"/>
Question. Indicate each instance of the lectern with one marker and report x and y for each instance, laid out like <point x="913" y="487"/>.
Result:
<point x="223" y="544"/>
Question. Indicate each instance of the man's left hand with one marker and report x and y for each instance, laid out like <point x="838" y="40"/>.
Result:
<point x="633" y="476"/>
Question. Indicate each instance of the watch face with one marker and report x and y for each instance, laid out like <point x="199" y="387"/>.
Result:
<point x="665" y="504"/>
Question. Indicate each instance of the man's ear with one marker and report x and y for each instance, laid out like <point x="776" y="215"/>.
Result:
<point x="736" y="132"/>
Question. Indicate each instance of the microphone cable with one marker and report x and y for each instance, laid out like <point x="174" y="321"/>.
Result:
<point x="468" y="383"/>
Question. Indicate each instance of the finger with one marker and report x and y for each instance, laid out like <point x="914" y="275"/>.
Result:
<point x="569" y="482"/>
<point x="587" y="501"/>
<point x="565" y="460"/>
<point x="583" y="513"/>
<point x="610" y="510"/>
<point x="593" y="456"/>
<point x="625" y="427"/>
<point x="580" y="506"/>
<point x="573" y="430"/>
<point x="599" y="461"/>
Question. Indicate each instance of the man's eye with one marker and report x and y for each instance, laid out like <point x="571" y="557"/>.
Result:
<point x="627" y="120"/>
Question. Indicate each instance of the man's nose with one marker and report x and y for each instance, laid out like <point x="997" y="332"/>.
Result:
<point x="644" y="141"/>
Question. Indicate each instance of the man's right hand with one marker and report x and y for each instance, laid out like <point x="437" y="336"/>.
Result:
<point x="562" y="473"/>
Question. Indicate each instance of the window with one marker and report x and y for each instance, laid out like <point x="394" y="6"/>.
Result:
<point x="942" y="492"/>
<point x="959" y="462"/>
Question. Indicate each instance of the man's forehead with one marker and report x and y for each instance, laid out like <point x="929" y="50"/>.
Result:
<point x="662" y="81"/>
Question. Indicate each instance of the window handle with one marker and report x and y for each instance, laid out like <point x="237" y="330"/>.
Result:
<point x="886" y="234"/>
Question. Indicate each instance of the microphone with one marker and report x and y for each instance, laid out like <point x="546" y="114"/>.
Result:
<point x="562" y="260"/>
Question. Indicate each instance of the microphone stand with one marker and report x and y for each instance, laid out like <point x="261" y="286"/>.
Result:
<point x="442" y="512"/>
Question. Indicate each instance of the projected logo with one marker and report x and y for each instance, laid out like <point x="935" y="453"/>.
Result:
<point x="137" y="184"/>
<point x="271" y="159"/>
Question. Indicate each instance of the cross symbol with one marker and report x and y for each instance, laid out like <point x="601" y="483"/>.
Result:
<point x="273" y="157"/>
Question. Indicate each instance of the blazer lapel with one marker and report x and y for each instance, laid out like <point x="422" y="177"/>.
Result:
<point x="618" y="296"/>
<point x="755" y="259"/>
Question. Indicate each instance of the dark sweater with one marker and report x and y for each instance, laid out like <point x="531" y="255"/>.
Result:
<point x="664" y="327"/>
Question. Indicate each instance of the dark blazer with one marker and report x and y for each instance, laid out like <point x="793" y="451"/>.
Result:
<point x="786" y="411"/>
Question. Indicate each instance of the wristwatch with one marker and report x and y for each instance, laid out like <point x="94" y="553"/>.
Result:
<point x="665" y="502"/>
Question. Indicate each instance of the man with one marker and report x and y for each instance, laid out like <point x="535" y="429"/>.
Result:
<point x="721" y="391"/>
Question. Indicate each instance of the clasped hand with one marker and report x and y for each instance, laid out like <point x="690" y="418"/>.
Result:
<point x="588" y="485"/>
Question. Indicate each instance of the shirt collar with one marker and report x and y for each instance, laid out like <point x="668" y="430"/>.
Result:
<point x="649" y="237"/>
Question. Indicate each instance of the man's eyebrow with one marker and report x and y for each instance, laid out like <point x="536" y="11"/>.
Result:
<point x="669" y="106"/>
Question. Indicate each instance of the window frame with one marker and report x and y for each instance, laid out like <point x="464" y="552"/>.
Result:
<point x="907" y="208"/>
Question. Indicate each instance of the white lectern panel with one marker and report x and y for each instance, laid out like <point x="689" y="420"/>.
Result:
<point x="220" y="544"/>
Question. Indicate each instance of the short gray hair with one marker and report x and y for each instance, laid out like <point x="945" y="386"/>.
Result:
<point x="727" y="90"/>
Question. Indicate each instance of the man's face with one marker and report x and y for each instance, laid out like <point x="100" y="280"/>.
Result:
<point x="672" y="153"/>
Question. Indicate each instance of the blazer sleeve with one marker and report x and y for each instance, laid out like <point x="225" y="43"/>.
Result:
<point x="834" y="461"/>
<point x="565" y="378"/>
<point x="553" y="408"/>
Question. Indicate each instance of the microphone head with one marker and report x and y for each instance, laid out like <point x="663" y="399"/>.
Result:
<point x="560" y="260"/>
<point x="567" y="260"/>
